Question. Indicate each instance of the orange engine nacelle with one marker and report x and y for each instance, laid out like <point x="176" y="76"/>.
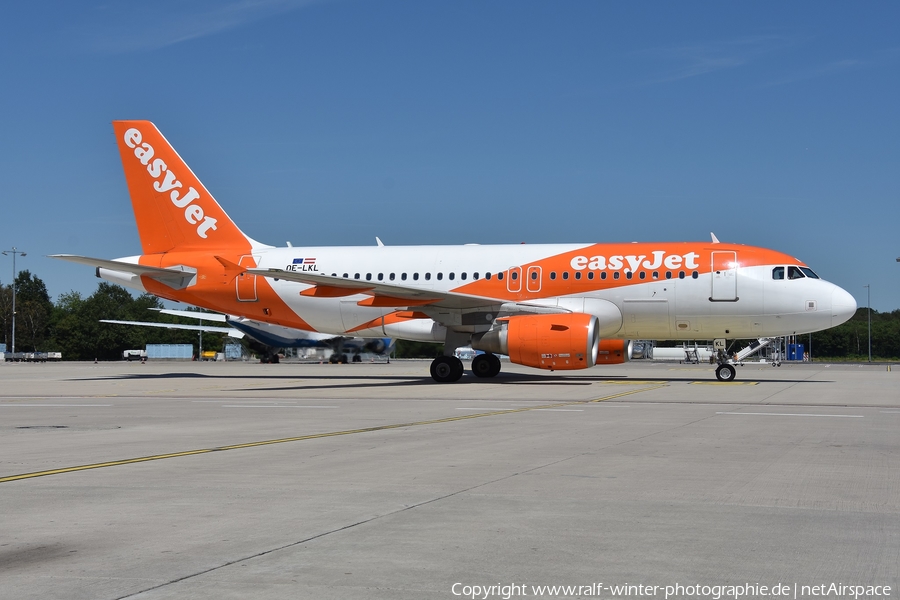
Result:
<point x="614" y="352"/>
<point x="556" y="342"/>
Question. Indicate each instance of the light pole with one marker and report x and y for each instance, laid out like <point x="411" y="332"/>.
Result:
<point x="869" y="310"/>
<point x="14" y="251"/>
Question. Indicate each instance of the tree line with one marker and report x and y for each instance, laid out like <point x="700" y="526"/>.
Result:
<point x="71" y="325"/>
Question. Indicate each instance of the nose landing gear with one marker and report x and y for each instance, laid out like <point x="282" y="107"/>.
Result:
<point x="725" y="372"/>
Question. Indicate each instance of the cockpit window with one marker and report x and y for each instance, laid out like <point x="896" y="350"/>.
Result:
<point x="778" y="273"/>
<point x="809" y="272"/>
<point x="795" y="273"/>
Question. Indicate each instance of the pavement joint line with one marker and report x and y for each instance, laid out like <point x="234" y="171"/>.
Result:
<point x="789" y="415"/>
<point x="315" y="436"/>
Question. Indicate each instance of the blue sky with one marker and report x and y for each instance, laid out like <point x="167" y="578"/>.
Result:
<point x="328" y="123"/>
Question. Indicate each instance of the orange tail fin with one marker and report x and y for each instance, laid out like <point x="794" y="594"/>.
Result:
<point x="173" y="210"/>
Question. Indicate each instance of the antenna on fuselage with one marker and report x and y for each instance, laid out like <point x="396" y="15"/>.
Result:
<point x="715" y="240"/>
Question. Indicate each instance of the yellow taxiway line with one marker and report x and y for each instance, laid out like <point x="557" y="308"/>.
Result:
<point x="314" y="436"/>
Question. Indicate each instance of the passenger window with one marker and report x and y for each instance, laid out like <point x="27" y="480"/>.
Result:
<point x="427" y="276"/>
<point x="475" y="275"/>
<point x="603" y="275"/>
<point x="795" y="273"/>
<point x="577" y="274"/>
<point x="628" y="274"/>
<point x="440" y="276"/>
<point x="590" y="274"/>
<point x="392" y="276"/>
<point x="500" y="276"/>
<point x="655" y="274"/>
<point x="463" y="276"/>
<point x="403" y="276"/>
<point x="356" y="276"/>
<point x="368" y="277"/>
<point x="680" y="274"/>
<point x="533" y="275"/>
<point x="565" y="274"/>
<point x="415" y="276"/>
<point x="615" y="275"/>
<point x="381" y="277"/>
<point x="346" y="275"/>
<point x="552" y="274"/>
<point x="668" y="274"/>
<point x="487" y="275"/>
<point x="514" y="275"/>
<point x="778" y="273"/>
<point x="451" y="276"/>
<point x="695" y="275"/>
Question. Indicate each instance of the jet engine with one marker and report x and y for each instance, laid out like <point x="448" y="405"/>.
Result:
<point x="556" y="342"/>
<point x="614" y="352"/>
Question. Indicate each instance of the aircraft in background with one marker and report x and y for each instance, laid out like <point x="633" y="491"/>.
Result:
<point x="549" y="306"/>
<point x="266" y="338"/>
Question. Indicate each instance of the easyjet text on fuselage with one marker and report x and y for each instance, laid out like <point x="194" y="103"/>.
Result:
<point x="656" y="260"/>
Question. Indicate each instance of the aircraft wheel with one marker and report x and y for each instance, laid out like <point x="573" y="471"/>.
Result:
<point x="482" y="366"/>
<point x="495" y="365"/>
<point x="446" y="369"/>
<point x="357" y="358"/>
<point x="344" y="359"/>
<point x="725" y="373"/>
<point x="486" y="365"/>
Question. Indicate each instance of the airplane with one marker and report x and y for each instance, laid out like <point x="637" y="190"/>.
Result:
<point x="548" y="306"/>
<point x="266" y="337"/>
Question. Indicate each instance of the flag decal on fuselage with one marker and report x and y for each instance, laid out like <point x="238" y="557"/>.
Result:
<point x="302" y="265"/>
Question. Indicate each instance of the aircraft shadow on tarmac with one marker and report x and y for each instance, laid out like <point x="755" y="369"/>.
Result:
<point x="344" y="381"/>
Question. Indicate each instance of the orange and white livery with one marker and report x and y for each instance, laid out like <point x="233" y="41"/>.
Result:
<point x="549" y="306"/>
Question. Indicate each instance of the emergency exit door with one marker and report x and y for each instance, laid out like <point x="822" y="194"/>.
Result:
<point x="724" y="276"/>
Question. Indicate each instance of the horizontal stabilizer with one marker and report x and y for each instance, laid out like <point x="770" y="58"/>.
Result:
<point x="175" y="277"/>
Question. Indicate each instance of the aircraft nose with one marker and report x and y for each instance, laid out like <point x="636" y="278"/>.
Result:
<point x="843" y="306"/>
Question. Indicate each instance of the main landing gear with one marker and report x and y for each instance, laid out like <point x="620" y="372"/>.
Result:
<point x="446" y="369"/>
<point x="485" y="365"/>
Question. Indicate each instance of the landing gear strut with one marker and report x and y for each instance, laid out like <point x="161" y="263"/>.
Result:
<point x="445" y="369"/>
<point x="485" y="365"/>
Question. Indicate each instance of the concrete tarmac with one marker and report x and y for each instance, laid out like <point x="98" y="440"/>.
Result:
<point x="235" y="480"/>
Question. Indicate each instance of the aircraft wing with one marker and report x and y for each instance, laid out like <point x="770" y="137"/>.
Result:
<point x="229" y="331"/>
<point x="190" y="314"/>
<point x="383" y="294"/>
